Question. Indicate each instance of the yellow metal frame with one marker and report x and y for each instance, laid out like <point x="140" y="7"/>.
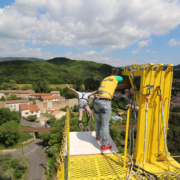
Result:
<point x="151" y="75"/>
<point x="126" y="139"/>
<point x="65" y="145"/>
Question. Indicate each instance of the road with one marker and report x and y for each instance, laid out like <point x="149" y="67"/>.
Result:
<point x="33" y="124"/>
<point x="37" y="162"/>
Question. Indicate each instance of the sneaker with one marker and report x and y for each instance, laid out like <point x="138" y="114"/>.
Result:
<point x="104" y="148"/>
<point x="91" y="117"/>
<point x="81" y="126"/>
<point x="98" y="138"/>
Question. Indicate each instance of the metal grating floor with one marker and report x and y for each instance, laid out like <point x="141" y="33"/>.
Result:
<point x="96" y="167"/>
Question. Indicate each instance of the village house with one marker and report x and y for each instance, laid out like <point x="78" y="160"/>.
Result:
<point x="26" y="110"/>
<point x="38" y="95"/>
<point x="14" y="104"/>
<point x="58" y="114"/>
<point x="41" y="95"/>
<point x="117" y="94"/>
<point x="52" y="98"/>
<point x="129" y="106"/>
<point x="19" y="93"/>
<point x="173" y="105"/>
<point x="120" y="113"/>
<point x="53" y="93"/>
<point x="176" y="100"/>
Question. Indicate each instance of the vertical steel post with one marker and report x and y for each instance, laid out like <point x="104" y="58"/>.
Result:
<point x="145" y="129"/>
<point x="68" y="145"/>
<point x="126" y="139"/>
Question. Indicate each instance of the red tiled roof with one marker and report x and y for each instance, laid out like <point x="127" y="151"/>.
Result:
<point x="14" y="91"/>
<point x="60" y="97"/>
<point x="16" y="101"/>
<point x="55" y="113"/>
<point x="46" y="97"/>
<point x="175" y="104"/>
<point x="24" y="106"/>
<point x="33" y="107"/>
<point x="55" y="97"/>
<point x="40" y="94"/>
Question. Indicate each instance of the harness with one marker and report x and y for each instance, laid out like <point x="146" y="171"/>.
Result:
<point x="101" y="92"/>
<point x="84" y="99"/>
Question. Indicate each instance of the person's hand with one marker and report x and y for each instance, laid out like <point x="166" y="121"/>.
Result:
<point x="67" y="86"/>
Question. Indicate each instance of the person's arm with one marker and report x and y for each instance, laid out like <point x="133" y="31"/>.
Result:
<point x="71" y="89"/>
<point x="127" y="82"/>
<point x="121" y="80"/>
<point x="93" y="92"/>
<point x="121" y="86"/>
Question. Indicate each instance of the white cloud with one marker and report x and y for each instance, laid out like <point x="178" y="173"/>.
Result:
<point x="90" y="53"/>
<point x="110" y="24"/>
<point x="173" y="42"/>
<point x="144" y="43"/>
<point x="135" y="52"/>
<point x="97" y="57"/>
<point x="18" y="49"/>
<point x="148" y="50"/>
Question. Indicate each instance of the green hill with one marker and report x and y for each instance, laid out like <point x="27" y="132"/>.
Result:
<point x="56" y="71"/>
<point x="20" y="58"/>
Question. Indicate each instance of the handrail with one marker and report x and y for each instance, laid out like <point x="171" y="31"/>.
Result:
<point x="65" y="151"/>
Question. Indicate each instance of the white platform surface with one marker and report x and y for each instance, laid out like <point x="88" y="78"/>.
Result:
<point x="84" y="143"/>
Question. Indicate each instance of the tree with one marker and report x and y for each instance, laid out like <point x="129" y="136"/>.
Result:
<point x="9" y="134"/>
<point x="23" y="162"/>
<point x="78" y="83"/>
<point x="91" y="84"/>
<point x="2" y="98"/>
<point x="7" y="115"/>
<point x="40" y="86"/>
<point x="13" y="85"/>
<point x="4" y="86"/>
<point x="8" y="174"/>
<point x="13" y="97"/>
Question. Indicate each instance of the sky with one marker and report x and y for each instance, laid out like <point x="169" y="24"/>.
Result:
<point x="115" y="32"/>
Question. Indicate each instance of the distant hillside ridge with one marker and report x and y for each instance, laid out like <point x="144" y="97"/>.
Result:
<point x="20" y="58"/>
<point x="58" y="70"/>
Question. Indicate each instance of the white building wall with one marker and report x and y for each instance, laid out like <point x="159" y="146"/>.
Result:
<point x="37" y="113"/>
<point x="24" y="113"/>
<point x="15" y="106"/>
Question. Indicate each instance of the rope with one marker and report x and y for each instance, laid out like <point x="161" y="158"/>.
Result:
<point x="111" y="166"/>
<point x="168" y="172"/>
<point x="170" y="162"/>
<point x="169" y="100"/>
<point x="159" y="115"/>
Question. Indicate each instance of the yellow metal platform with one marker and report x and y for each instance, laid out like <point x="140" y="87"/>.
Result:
<point x="96" y="167"/>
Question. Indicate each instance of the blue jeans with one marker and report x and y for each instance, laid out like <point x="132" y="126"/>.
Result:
<point x="103" y="114"/>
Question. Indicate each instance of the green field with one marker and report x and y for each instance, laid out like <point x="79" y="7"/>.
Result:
<point x="51" y="85"/>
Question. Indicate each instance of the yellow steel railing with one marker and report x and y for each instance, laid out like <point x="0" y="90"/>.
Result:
<point x="64" y="155"/>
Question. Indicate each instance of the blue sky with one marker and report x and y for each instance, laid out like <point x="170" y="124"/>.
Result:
<point x="115" y="32"/>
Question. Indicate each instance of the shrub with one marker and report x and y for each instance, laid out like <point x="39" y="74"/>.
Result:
<point x="31" y="118"/>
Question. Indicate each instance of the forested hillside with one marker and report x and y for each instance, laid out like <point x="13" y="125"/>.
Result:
<point x="56" y="71"/>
